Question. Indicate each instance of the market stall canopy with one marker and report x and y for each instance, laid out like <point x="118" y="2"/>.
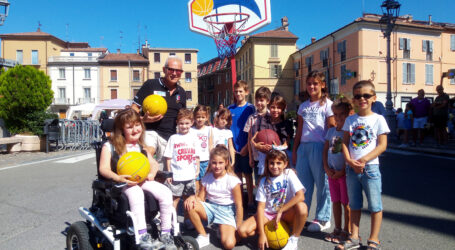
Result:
<point x="109" y="105"/>
<point x="83" y="109"/>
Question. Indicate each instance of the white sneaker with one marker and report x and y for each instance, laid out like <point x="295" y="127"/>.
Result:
<point x="292" y="243"/>
<point x="203" y="241"/>
<point x="318" y="226"/>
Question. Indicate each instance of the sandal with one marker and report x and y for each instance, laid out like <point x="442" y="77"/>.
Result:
<point x="334" y="236"/>
<point x="349" y="244"/>
<point x="344" y="235"/>
<point x="376" y="245"/>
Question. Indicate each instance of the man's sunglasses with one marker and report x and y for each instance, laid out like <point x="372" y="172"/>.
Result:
<point x="177" y="71"/>
<point x="365" y="96"/>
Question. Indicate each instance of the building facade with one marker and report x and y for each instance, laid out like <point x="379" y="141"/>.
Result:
<point x="121" y="75"/>
<point x="421" y="51"/>
<point x="215" y="83"/>
<point x="157" y="58"/>
<point x="75" y="77"/>
<point x="264" y="60"/>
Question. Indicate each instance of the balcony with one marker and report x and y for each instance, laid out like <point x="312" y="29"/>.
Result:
<point x="61" y="101"/>
<point x="31" y="62"/>
<point x="86" y="100"/>
<point x="55" y="59"/>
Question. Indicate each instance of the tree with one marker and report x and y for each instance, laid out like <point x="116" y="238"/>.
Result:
<point x="24" y="90"/>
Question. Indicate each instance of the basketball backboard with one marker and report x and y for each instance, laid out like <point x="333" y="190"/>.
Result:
<point x="258" y="12"/>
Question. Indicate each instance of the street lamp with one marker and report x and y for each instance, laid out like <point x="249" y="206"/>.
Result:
<point x="390" y="10"/>
<point x="4" y="8"/>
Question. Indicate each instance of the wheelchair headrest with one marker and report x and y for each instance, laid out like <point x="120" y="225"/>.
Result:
<point x="107" y="125"/>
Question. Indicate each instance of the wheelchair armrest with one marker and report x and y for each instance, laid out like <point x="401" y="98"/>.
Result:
<point x="163" y="175"/>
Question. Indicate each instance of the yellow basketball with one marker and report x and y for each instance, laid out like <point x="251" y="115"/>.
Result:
<point x="202" y="7"/>
<point x="134" y="164"/>
<point x="155" y="105"/>
<point x="277" y="238"/>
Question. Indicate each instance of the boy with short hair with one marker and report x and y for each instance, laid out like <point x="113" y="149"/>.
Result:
<point x="365" y="138"/>
<point x="257" y="122"/>
<point x="182" y="158"/>
<point x="240" y="112"/>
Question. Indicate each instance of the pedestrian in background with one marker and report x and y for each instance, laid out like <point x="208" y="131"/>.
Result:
<point x="421" y="107"/>
<point x="408" y="121"/>
<point x="440" y="116"/>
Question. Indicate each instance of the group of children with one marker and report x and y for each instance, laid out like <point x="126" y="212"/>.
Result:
<point x="334" y="149"/>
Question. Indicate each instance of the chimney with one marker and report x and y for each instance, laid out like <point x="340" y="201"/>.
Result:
<point x="313" y="39"/>
<point x="285" y="23"/>
<point x="118" y="51"/>
<point x="146" y="43"/>
<point x="138" y="51"/>
<point x="429" y="20"/>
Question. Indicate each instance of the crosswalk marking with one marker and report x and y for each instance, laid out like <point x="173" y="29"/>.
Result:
<point x="77" y="158"/>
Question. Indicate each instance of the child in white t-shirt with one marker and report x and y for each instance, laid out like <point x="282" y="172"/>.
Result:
<point x="219" y="200"/>
<point x="335" y="168"/>
<point x="182" y="158"/>
<point x="364" y="139"/>
<point x="204" y="139"/>
<point x="315" y="117"/>
<point x="222" y="134"/>
<point x="280" y="196"/>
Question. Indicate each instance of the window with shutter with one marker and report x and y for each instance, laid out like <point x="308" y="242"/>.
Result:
<point x="187" y="76"/>
<point x="113" y="75"/>
<point x="343" y="74"/>
<point x="452" y="42"/>
<point x="274" y="50"/>
<point x="136" y="76"/>
<point x="156" y="57"/>
<point x="429" y="74"/>
<point x="187" y="58"/>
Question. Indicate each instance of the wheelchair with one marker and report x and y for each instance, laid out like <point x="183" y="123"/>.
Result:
<point x="108" y="223"/>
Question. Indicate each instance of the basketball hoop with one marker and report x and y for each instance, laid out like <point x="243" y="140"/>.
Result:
<point x="224" y="29"/>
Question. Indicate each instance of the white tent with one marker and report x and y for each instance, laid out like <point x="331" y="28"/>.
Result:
<point x="83" y="109"/>
<point x="109" y="105"/>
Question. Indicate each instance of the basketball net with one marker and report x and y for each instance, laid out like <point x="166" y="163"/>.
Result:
<point x="225" y="29"/>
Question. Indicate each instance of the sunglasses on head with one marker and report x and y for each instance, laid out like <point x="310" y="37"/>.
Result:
<point x="365" y="96"/>
<point x="177" y="71"/>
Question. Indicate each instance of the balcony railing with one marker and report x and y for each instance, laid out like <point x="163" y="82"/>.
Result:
<point x="61" y="101"/>
<point x="72" y="59"/>
<point x="86" y="100"/>
<point x="31" y="62"/>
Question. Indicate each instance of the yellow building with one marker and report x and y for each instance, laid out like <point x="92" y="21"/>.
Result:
<point x="421" y="51"/>
<point x="34" y="48"/>
<point x="158" y="56"/>
<point x="121" y="75"/>
<point x="264" y="59"/>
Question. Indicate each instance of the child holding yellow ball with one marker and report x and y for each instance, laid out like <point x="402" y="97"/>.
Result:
<point x="280" y="196"/>
<point x="128" y="136"/>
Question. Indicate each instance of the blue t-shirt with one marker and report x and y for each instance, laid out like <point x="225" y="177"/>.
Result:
<point x="239" y="117"/>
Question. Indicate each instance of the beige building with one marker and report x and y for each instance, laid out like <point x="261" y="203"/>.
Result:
<point x="421" y="51"/>
<point x="158" y="56"/>
<point x="34" y="48"/>
<point x="264" y="59"/>
<point x="121" y="75"/>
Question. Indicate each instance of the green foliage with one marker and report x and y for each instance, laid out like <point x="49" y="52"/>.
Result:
<point x="36" y="120"/>
<point x="25" y="93"/>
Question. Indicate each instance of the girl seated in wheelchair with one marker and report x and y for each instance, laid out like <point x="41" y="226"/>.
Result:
<point x="128" y="136"/>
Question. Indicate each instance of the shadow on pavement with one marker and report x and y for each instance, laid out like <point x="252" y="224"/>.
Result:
<point x="423" y="180"/>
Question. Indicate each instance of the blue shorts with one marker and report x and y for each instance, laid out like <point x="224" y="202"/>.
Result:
<point x="242" y="164"/>
<point x="370" y="182"/>
<point x="202" y="169"/>
<point x="220" y="214"/>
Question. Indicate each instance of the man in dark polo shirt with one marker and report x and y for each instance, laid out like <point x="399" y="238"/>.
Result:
<point x="160" y="128"/>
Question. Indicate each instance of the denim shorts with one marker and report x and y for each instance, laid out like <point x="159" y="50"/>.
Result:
<point x="202" y="169"/>
<point x="220" y="214"/>
<point x="370" y="182"/>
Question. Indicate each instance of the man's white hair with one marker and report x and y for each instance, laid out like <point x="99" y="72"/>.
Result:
<point x="172" y="57"/>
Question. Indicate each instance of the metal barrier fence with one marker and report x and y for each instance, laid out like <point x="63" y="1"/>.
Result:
<point x="72" y="134"/>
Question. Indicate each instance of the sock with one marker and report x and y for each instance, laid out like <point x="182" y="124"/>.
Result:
<point x="165" y="231"/>
<point x="143" y="231"/>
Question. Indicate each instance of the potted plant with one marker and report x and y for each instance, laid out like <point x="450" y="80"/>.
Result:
<point x="25" y="94"/>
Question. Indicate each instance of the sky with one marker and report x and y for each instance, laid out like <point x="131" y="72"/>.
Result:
<point x="115" y="24"/>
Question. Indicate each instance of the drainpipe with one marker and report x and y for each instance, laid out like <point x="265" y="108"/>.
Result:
<point x="333" y="59"/>
<point x="74" y="89"/>
<point x="129" y="79"/>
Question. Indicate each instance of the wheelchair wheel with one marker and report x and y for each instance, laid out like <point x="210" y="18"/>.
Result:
<point x="78" y="237"/>
<point x="186" y="243"/>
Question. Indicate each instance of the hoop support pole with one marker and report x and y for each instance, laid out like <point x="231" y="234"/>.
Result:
<point x="233" y="72"/>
